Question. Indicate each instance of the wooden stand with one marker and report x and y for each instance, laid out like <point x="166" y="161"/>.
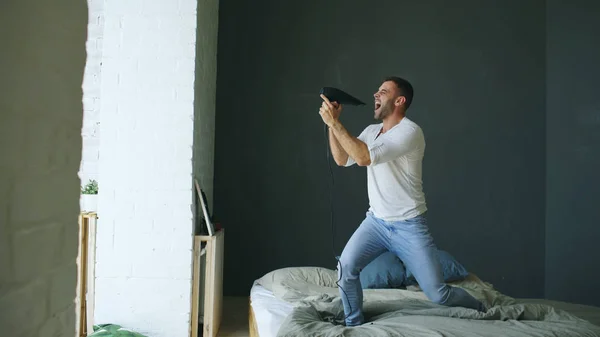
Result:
<point x="212" y="294"/>
<point x="86" y="260"/>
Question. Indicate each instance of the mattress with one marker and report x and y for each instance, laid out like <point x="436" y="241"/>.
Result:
<point x="269" y="311"/>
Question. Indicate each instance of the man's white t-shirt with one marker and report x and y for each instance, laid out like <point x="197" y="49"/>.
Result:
<point x="395" y="187"/>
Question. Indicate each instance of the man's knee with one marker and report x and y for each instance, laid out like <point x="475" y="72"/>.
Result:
<point x="348" y="269"/>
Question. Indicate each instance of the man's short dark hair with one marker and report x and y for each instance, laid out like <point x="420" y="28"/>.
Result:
<point x="406" y="89"/>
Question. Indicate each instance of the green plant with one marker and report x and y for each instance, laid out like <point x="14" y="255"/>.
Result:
<point x="90" y="188"/>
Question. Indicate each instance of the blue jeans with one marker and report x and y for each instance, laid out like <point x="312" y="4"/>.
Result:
<point x="411" y="241"/>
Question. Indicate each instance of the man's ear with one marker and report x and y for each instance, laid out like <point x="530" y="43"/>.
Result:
<point x="400" y="100"/>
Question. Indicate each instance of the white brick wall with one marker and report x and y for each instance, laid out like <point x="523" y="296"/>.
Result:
<point x="90" y="131"/>
<point x="42" y="63"/>
<point x="144" y="239"/>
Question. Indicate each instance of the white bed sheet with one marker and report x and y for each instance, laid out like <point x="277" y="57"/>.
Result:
<point x="269" y="311"/>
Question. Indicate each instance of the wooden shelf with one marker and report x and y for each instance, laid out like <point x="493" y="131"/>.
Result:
<point x="207" y="280"/>
<point x="207" y="284"/>
<point x="86" y="260"/>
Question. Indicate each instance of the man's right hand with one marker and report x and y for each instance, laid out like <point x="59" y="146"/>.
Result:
<point x="337" y="110"/>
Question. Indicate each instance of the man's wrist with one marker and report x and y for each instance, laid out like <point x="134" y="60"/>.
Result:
<point x="336" y="125"/>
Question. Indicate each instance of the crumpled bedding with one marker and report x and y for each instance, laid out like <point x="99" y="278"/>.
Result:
<point x="403" y="312"/>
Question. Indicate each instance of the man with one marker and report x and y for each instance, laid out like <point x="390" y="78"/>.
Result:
<point x="393" y="152"/>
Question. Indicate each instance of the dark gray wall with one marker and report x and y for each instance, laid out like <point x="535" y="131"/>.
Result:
<point x="479" y="73"/>
<point x="573" y="151"/>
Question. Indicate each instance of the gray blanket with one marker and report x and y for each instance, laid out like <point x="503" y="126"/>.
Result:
<point x="400" y="312"/>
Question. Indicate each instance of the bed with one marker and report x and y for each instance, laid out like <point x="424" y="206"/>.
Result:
<point x="304" y="301"/>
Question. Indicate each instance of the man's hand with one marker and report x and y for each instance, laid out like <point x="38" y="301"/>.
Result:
<point x="342" y="143"/>
<point x="330" y="112"/>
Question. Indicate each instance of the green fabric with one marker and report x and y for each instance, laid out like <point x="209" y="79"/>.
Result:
<point x="113" y="330"/>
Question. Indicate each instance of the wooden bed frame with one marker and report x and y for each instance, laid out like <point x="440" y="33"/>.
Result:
<point x="253" y="327"/>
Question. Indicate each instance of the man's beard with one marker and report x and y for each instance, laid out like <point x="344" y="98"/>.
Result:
<point x="384" y="111"/>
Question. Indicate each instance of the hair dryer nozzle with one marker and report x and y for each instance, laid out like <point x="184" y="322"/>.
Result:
<point x="340" y="96"/>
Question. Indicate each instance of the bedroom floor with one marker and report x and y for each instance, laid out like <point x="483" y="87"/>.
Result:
<point x="234" y="322"/>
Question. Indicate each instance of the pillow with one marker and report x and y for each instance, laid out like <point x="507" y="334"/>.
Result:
<point x="385" y="271"/>
<point x="452" y="270"/>
<point x="307" y="274"/>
